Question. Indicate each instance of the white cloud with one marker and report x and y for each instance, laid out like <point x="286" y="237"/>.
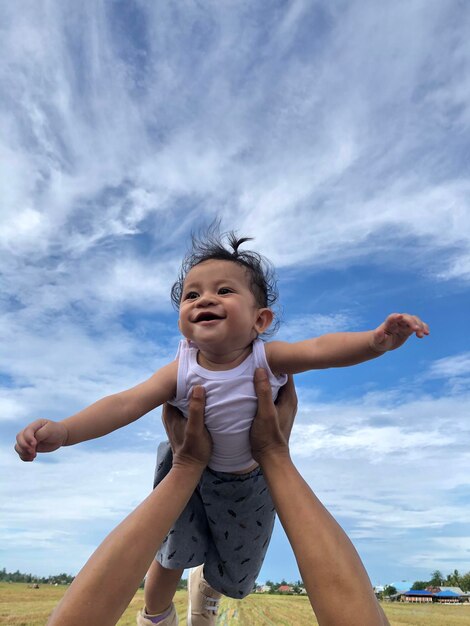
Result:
<point x="388" y="466"/>
<point x="118" y="138"/>
<point x="446" y="559"/>
<point x="312" y="325"/>
<point x="451" y="367"/>
<point x="373" y="442"/>
<point x="343" y="207"/>
<point x="58" y="509"/>
<point x="58" y="366"/>
<point x="456" y="544"/>
<point x="385" y="481"/>
<point x="89" y="485"/>
<point x="11" y="408"/>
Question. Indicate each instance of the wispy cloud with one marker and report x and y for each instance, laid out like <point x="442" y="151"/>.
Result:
<point x="314" y="324"/>
<point x="100" y="172"/>
<point x="451" y="367"/>
<point x="333" y="133"/>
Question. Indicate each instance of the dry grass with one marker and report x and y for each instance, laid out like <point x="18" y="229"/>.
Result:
<point x="427" y="615"/>
<point x="20" y="606"/>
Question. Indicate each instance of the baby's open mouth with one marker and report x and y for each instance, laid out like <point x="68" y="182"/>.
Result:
<point x="207" y="317"/>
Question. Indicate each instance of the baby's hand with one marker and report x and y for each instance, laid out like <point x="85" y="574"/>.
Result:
<point x="40" y="436"/>
<point x="395" y="331"/>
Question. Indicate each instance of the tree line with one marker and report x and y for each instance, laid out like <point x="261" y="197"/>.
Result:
<point x="59" y="579"/>
<point x="455" y="579"/>
<point x="19" y="577"/>
<point x="274" y="586"/>
<point x="439" y="580"/>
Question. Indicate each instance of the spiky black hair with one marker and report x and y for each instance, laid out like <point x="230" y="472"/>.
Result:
<point x="209" y="245"/>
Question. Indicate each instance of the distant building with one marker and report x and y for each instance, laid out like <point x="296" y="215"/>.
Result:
<point x="441" y="595"/>
<point x="285" y="589"/>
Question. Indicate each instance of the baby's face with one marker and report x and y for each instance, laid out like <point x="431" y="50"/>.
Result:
<point x="218" y="310"/>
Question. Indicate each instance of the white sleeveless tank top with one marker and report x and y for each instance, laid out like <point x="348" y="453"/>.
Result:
<point x="231" y="402"/>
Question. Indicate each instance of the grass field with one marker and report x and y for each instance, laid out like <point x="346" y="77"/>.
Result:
<point x="20" y="606"/>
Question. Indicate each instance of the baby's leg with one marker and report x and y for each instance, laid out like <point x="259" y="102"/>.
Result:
<point x="160" y="587"/>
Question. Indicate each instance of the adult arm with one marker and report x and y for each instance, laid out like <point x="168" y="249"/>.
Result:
<point x="104" y="587"/>
<point x="337" y="584"/>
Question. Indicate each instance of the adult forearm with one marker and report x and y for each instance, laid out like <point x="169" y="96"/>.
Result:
<point x="98" y="419"/>
<point x="334" y="576"/>
<point x="104" y="587"/>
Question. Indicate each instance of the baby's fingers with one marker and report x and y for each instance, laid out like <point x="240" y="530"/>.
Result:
<point x="24" y="455"/>
<point x="26" y="442"/>
<point x="415" y="325"/>
<point x="25" y="450"/>
<point x="422" y="328"/>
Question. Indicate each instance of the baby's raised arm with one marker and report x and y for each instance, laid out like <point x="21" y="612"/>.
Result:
<point x="343" y="349"/>
<point x="100" y="418"/>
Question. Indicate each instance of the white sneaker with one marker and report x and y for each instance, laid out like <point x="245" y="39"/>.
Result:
<point x="170" y="620"/>
<point x="203" y="601"/>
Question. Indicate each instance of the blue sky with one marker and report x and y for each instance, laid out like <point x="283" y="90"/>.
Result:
<point x="335" y="134"/>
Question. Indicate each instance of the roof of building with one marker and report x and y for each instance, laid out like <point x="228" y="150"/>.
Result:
<point x="446" y="594"/>
<point x="454" y="589"/>
<point x="443" y="593"/>
<point x="418" y="592"/>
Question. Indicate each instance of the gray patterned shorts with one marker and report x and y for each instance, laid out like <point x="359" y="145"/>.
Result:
<point x="227" y="525"/>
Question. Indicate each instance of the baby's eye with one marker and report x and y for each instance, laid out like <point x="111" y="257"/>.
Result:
<point x="191" y="295"/>
<point x="224" y="290"/>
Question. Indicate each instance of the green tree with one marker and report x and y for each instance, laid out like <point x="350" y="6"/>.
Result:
<point x="453" y="580"/>
<point x="436" y="578"/>
<point x="271" y="585"/>
<point x="419" y="585"/>
<point x="389" y="590"/>
<point x="465" y="582"/>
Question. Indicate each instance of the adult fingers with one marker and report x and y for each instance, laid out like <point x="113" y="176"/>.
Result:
<point x="169" y="415"/>
<point x="174" y="424"/>
<point x="266" y="408"/>
<point x="288" y="395"/>
<point x="287" y="407"/>
<point x="197" y="405"/>
<point x="197" y="445"/>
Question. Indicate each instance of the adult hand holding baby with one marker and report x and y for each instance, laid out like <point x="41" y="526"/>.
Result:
<point x="190" y="441"/>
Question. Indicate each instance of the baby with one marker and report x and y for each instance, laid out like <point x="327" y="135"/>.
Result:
<point x="224" y="297"/>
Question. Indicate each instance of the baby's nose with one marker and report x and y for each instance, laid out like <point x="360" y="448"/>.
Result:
<point x="206" y="299"/>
